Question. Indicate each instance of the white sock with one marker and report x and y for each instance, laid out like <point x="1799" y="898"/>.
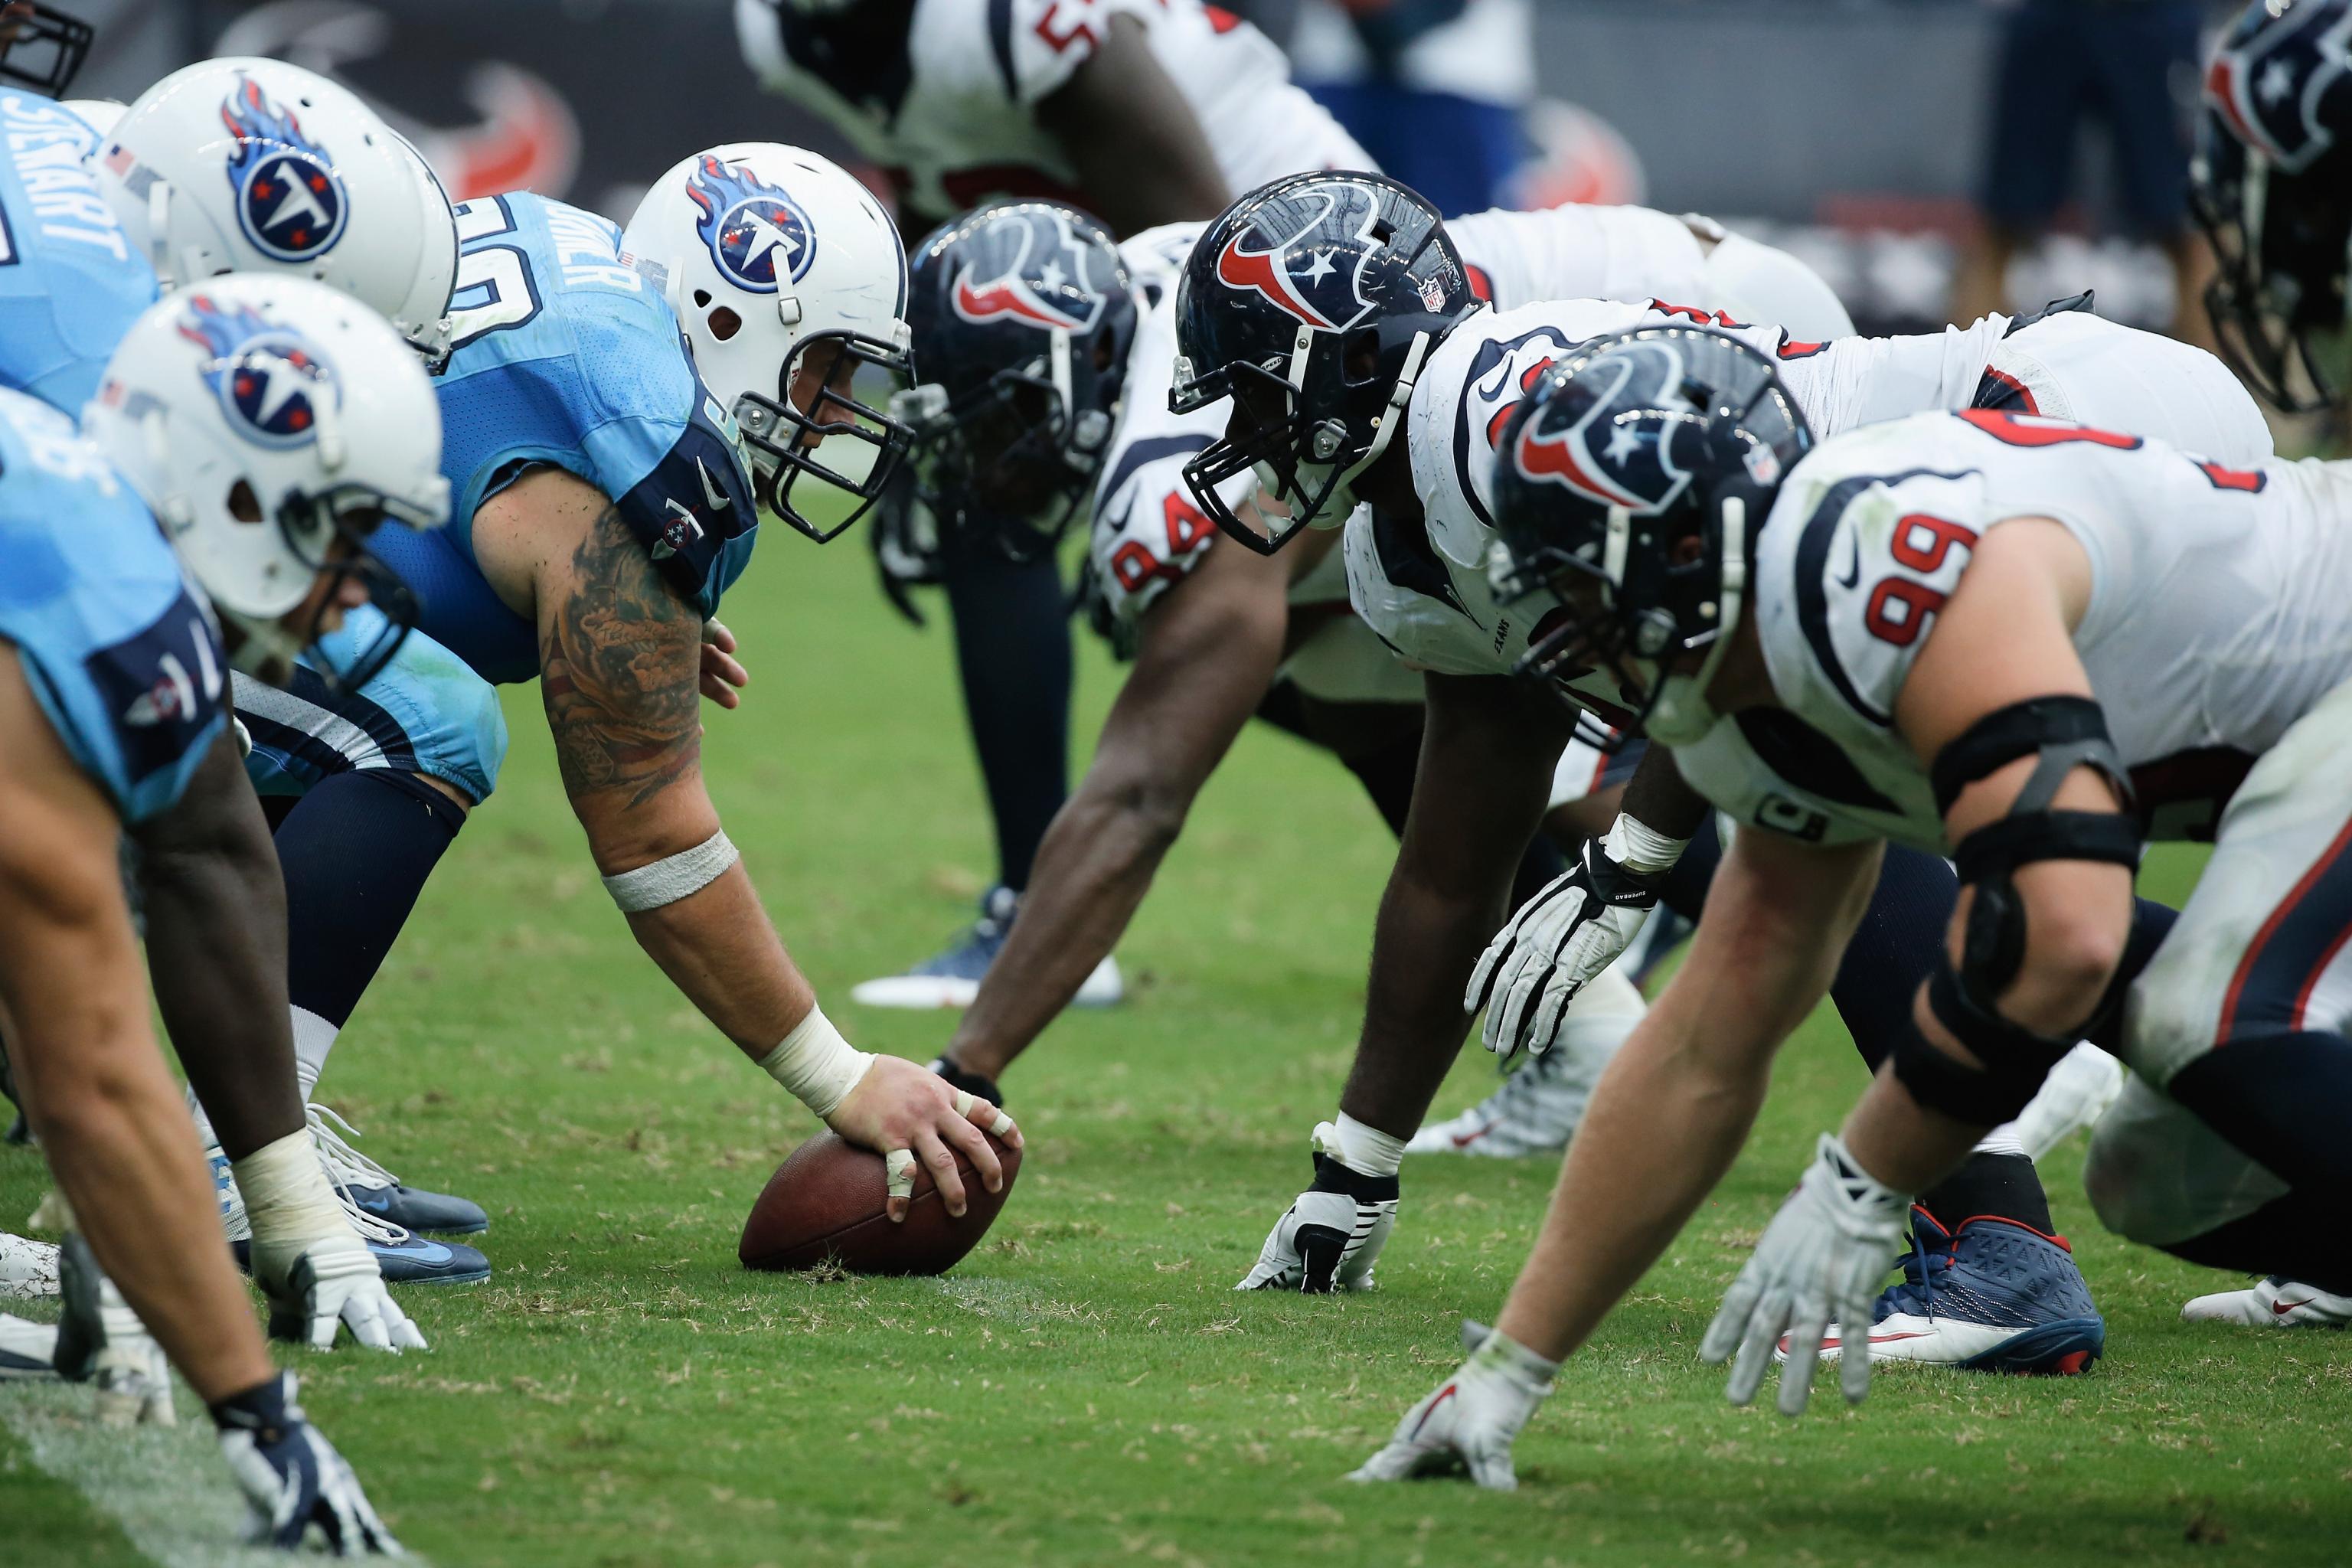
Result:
<point x="2002" y="1140"/>
<point x="204" y="1133"/>
<point x="313" y="1038"/>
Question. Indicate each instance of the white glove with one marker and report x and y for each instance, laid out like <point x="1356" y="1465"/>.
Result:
<point x="335" y="1281"/>
<point x="102" y="1341"/>
<point x="1818" y="1263"/>
<point x="1571" y="931"/>
<point x="293" y="1476"/>
<point x="1331" y="1235"/>
<point x="1471" y="1421"/>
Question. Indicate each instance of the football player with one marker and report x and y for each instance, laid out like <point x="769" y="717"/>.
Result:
<point x="1354" y="295"/>
<point x="265" y="427"/>
<point x="1142" y="113"/>
<point x="602" y="391"/>
<point x="201" y="184"/>
<point x="1047" y="356"/>
<point x="2028" y="644"/>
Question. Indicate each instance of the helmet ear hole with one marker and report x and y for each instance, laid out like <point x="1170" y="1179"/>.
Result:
<point x="243" y="504"/>
<point x="702" y="299"/>
<point x="723" y="322"/>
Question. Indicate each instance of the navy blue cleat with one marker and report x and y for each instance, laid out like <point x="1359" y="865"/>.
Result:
<point x="1992" y="1295"/>
<point x="406" y="1258"/>
<point x="951" y="979"/>
<point x="378" y="1194"/>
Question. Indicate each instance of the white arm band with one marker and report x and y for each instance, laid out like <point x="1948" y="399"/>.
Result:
<point x="666" y="881"/>
<point x="816" y="1064"/>
<point x="1641" y="849"/>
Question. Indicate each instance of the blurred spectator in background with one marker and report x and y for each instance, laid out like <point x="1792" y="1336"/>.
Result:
<point x="1432" y="88"/>
<point x="2130" y="63"/>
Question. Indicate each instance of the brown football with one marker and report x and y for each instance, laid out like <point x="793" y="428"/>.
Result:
<point x="825" y="1201"/>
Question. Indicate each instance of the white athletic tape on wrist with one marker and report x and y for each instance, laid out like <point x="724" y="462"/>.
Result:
<point x="899" y="1166"/>
<point x="1640" y="848"/>
<point x="816" y="1065"/>
<point x="666" y="881"/>
<point x="965" y="1100"/>
<point x="288" y="1201"/>
<point x="1363" y="1148"/>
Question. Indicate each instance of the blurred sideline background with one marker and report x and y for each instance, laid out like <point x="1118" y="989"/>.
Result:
<point x="1857" y="134"/>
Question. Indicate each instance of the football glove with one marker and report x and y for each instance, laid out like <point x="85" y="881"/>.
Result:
<point x="1556" y="942"/>
<point x="102" y="1341"/>
<point x="1331" y="1235"/>
<point x="1818" y="1263"/>
<point x="292" y="1476"/>
<point x="334" y="1281"/>
<point x="1471" y="1421"/>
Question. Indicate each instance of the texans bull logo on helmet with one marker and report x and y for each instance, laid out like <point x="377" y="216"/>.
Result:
<point x="2270" y="87"/>
<point x="270" y="381"/>
<point x="290" y="201"/>
<point x="1044" y="286"/>
<point x="757" y="234"/>
<point x="1308" y="267"/>
<point x="1616" y="448"/>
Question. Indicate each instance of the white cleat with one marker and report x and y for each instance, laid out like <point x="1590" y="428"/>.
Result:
<point x="1537" y="1108"/>
<point x="28" y="1269"/>
<point x="26" y="1349"/>
<point x="2276" y="1302"/>
<point x="2076" y="1093"/>
<point x="951" y="979"/>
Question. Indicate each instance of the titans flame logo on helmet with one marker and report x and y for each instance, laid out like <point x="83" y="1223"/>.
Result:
<point x="1631" y="466"/>
<point x="755" y="231"/>
<point x="269" y="381"/>
<point x="290" y="201"/>
<point x="1038" y="290"/>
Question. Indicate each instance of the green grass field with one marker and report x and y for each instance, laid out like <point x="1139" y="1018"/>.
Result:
<point x="1085" y="1389"/>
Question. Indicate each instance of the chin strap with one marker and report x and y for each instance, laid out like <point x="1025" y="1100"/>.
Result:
<point x="1731" y="599"/>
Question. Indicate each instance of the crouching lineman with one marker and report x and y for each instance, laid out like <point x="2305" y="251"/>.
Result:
<point x="601" y="394"/>
<point x="265" y="426"/>
<point x="88" y="243"/>
<point x="2027" y="644"/>
<point x="1388" y="391"/>
<point x="1047" y="356"/>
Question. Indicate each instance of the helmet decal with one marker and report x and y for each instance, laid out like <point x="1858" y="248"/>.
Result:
<point x="1300" y="277"/>
<point x="1032" y="289"/>
<point x="1631" y="467"/>
<point x="290" y="200"/>
<point x="757" y="234"/>
<point x="268" y="379"/>
<point x="2268" y="87"/>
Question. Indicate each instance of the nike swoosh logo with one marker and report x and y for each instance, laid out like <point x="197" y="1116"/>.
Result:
<point x="431" y="1251"/>
<point x="717" y="497"/>
<point x="1853" y="573"/>
<point x="2282" y="1308"/>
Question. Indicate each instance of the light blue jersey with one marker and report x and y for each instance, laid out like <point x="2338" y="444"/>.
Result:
<point x="121" y="655"/>
<point x="567" y="356"/>
<point x="70" y="282"/>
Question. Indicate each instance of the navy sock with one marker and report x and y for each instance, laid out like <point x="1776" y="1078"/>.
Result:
<point x="2300" y="1235"/>
<point x="1013" y="646"/>
<point x="2002" y="1185"/>
<point x="356" y="850"/>
<point x="2284" y="1100"/>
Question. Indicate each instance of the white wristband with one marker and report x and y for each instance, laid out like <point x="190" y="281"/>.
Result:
<point x="668" y="880"/>
<point x="288" y="1201"/>
<point x="1641" y="849"/>
<point x="816" y="1065"/>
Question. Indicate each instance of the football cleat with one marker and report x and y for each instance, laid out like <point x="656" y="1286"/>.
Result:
<point x="951" y="979"/>
<point x="377" y="1192"/>
<point x="406" y="1258"/>
<point x="1536" y="1108"/>
<point x="2078" y="1091"/>
<point x="26" y="1349"/>
<point x="2276" y="1302"/>
<point x="1992" y="1295"/>
<point x="27" y="1269"/>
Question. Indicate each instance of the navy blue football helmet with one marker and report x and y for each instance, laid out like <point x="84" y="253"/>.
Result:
<point x="1023" y="316"/>
<point x="42" y="48"/>
<point x="1632" y="485"/>
<point x="1312" y="303"/>
<point x="2272" y="184"/>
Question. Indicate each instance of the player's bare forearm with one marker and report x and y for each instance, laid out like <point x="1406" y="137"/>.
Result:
<point x="1658" y="798"/>
<point x="1489" y="747"/>
<point x="111" y="1122"/>
<point x="216" y="903"/>
<point x="620" y="661"/>
<point x="1141" y="156"/>
<point x="1210" y="647"/>
<point x="1676" y="1104"/>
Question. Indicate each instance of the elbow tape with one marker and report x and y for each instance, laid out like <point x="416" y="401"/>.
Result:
<point x="668" y="881"/>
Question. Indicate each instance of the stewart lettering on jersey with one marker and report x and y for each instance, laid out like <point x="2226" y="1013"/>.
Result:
<point x="71" y="284"/>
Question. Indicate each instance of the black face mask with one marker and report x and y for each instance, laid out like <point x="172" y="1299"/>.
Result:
<point x="782" y="442"/>
<point x="44" y="50"/>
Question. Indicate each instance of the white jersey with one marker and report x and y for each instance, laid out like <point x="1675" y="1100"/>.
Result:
<point x="952" y="117"/>
<point x="1148" y="531"/>
<point x="2221" y="612"/>
<point x="1425" y="590"/>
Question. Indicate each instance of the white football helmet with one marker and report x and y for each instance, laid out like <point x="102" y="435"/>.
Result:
<point x="788" y="278"/>
<point x="270" y="423"/>
<point x="255" y="165"/>
<point x="101" y="114"/>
